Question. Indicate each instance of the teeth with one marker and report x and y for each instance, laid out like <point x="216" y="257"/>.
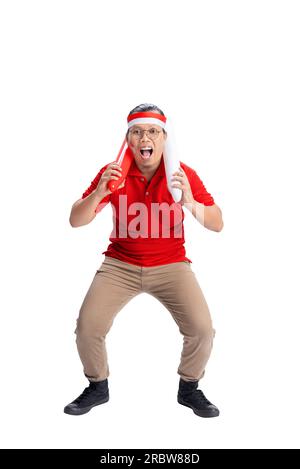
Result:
<point x="146" y="148"/>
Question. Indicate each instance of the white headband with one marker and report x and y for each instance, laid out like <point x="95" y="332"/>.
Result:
<point x="146" y="120"/>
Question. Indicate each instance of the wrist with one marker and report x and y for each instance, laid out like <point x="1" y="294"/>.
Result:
<point x="99" y="195"/>
<point x="189" y="202"/>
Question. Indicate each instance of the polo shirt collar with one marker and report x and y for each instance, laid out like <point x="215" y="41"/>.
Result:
<point x="134" y="170"/>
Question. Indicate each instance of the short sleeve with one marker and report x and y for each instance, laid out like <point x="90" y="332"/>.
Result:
<point x="93" y="185"/>
<point x="199" y="191"/>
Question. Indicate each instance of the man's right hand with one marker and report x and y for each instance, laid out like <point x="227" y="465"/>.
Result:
<point x="113" y="171"/>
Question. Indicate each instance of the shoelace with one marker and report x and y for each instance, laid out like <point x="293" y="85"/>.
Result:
<point x="201" y="399"/>
<point x="84" y="395"/>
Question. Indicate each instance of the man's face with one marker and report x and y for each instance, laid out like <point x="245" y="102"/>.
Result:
<point x="147" y="147"/>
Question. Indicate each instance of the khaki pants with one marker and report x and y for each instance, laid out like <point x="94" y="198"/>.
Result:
<point x="175" y="285"/>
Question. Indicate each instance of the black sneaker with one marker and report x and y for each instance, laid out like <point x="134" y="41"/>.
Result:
<point x="97" y="393"/>
<point x="190" y="396"/>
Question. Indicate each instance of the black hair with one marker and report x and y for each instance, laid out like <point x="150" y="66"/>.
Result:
<point x="146" y="107"/>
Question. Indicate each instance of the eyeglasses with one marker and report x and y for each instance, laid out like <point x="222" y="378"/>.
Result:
<point x="151" y="133"/>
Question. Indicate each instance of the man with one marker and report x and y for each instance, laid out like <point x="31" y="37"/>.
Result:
<point x="146" y="254"/>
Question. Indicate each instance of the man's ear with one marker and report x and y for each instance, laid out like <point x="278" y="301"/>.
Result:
<point x="165" y="135"/>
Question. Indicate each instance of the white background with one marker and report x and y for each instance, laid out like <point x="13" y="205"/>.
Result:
<point x="227" y="73"/>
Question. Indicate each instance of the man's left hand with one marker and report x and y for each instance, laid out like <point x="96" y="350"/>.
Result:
<point x="180" y="180"/>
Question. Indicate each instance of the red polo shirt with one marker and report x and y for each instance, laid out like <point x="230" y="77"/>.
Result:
<point x="147" y="223"/>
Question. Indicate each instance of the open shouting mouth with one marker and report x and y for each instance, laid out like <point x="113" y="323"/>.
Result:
<point x="146" y="152"/>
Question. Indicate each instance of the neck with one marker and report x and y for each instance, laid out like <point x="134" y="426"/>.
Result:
<point x="148" y="172"/>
